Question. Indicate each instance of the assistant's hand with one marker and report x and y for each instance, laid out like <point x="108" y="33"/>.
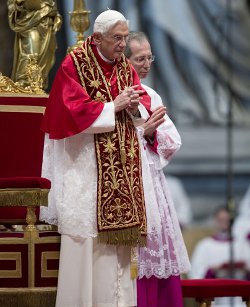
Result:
<point x="155" y="120"/>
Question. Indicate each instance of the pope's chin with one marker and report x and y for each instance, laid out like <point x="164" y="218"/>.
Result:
<point x="143" y="75"/>
<point x="118" y="55"/>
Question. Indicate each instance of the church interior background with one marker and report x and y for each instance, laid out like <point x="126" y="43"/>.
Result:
<point x="202" y="72"/>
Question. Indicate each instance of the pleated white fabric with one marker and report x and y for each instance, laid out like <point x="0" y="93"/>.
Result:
<point x="165" y="254"/>
<point x="81" y="282"/>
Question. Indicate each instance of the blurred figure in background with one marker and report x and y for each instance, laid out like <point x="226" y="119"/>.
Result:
<point x="181" y="201"/>
<point x="211" y="257"/>
<point x="164" y="258"/>
<point x="241" y="226"/>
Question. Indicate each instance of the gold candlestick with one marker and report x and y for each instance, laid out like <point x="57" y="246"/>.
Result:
<point x="79" y="22"/>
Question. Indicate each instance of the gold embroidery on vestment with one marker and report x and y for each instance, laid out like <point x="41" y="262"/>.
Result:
<point x="121" y="215"/>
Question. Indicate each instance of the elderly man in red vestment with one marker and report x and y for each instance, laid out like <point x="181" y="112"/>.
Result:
<point x="92" y="158"/>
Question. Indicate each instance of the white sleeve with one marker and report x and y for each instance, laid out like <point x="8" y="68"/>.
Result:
<point x="168" y="138"/>
<point x="181" y="200"/>
<point x="105" y="121"/>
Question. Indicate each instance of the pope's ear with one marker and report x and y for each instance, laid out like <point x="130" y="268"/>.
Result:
<point x="97" y="37"/>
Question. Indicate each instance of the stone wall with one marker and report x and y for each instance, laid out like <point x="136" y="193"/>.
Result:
<point x="202" y="166"/>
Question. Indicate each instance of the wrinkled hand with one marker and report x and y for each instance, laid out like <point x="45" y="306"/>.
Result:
<point x="128" y="99"/>
<point x="134" y="101"/>
<point x="155" y="120"/>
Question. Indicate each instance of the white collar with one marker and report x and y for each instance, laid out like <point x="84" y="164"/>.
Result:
<point x="104" y="58"/>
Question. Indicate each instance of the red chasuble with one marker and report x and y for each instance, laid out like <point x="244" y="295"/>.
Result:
<point x="69" y="102"/>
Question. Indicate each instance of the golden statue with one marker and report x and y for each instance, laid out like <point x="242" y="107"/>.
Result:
<point x="35" y="23"/>
<point x="34" y="79"/>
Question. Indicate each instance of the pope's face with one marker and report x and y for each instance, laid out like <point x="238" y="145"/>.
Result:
<point x="112" y="43"/>
<point x="141" y="57"/>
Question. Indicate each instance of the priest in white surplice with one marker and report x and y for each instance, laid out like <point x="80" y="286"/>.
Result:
<point x="164" y="258"/>
<point x="211" y="256"/>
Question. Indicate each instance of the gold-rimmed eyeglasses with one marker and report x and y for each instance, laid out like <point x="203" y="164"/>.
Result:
<point x="143" y="59"/>
<point x="118" y="38"/>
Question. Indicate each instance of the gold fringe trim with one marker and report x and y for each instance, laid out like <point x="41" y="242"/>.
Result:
<point x="22" y="297"/>
<point x="126" y="237"/>
<point x="24" y="197"/>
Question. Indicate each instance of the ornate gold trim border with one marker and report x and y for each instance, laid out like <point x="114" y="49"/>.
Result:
<point x="38" y="240"/>
<point x="22" y="109"/>
<point x="30" y="290"/>
<point x="9" y="86"/>
<point x="17" y="273"/>
<point x="24" y="197"/>
<point x="45" y="273"/>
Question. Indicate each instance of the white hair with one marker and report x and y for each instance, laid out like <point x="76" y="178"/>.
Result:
<point x="107" y="20"/>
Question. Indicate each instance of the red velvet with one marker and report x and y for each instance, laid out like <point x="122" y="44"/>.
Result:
<point x="11" y="234"/>
<point x="52" y="264"/>
<point x="15" y="215"/>
<point x="21" y="152"/>
<point x="211" y="288"/>
<point x="236" y="265"/>
<point x="13" y="282"/>
<point x="48" y="234"/>
<point x="21" y="138"/>
<point x="25" y="182"/>
<point x="23" y="101"/>
<point x="8" y="265"/>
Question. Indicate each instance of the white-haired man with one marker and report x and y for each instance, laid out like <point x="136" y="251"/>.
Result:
<point x="92" y="157"/>
<point x="164" y="258"/>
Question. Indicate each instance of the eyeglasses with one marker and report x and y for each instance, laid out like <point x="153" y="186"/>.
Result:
<point x="142" y="59"/>
<point x="118" y="38"/>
